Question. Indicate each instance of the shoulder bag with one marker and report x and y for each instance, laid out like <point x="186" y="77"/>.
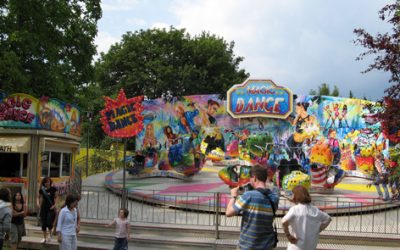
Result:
<point x="275" y="232"/>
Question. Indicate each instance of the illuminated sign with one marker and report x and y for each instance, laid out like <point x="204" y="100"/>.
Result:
<point x="259" y="98"/>
<point x="122" y="117"/>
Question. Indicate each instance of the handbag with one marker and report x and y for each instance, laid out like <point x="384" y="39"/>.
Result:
<point x="275" y="231"/>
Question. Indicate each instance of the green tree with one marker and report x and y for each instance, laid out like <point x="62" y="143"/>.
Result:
<point x="335" y="91"/>
<point x="47" y="46"/>
<point x="157" y="63"/>
<point x="386" y="47"/>
<point x="324" y="89"/>
<point x="351" y="94"/>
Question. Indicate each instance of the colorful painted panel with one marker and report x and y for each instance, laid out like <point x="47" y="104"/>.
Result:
<point x="25" y="111"/>
<point x="329" y="137"/>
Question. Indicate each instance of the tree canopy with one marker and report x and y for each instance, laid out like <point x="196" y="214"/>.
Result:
<point x="163" y="62"/>
<point x="47" y="46"/>
<point x="324" y="89"/>
<point x="386" y="47"/>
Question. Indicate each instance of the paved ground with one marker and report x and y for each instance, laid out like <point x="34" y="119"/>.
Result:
<point x="351" y="195"/>
<point x="101" y="205"/>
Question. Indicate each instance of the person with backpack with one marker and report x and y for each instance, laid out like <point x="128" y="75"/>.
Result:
<point x="5" y="214"/>
<point x="46" y="201"/>
<point x="258" y="208"/>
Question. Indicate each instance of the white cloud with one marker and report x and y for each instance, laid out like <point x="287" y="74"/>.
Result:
<point x="136" y="22"/>
<point x="118" y="5"/>
<point x="160" y="25"/>
<point x="299" y="44"/>
<point x="104" y="41"/>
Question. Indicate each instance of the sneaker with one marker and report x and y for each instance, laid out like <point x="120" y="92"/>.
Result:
<point x="49" y="239"/>
<point x="43" y="241"/>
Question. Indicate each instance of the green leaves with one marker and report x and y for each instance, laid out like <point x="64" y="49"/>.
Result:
<point x="324" y="89"/>
<point x="47" y="46"/>
<point x="155" y="62"/>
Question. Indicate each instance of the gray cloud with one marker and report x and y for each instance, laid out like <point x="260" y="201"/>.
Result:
<point x="297" y="43"/>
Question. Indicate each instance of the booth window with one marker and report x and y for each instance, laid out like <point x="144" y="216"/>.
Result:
<point x="66" y="165"/>
<point x="15" y="164"/>
<point x="56" y="164"/>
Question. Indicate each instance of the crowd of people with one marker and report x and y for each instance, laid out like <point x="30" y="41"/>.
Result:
<point x="257" y="205"/>
<point x="64" y="223"/>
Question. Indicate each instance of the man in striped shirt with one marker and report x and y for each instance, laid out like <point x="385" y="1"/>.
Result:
<point x="257" y="214"/>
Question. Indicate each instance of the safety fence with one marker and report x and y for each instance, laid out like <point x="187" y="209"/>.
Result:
<point x="207" y="209"/>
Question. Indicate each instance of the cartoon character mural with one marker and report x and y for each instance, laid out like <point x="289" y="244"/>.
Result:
<point x="329" y="137"/>
<point x="180" y="133"/>
<point x="25" y="111"/>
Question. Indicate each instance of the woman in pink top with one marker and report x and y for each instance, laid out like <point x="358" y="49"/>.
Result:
<point x="303" y="223"/>
<point x="122" y="230"/>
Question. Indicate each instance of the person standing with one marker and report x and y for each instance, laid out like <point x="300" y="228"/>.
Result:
<point x="5" y="214"/>
<point x="303" y="223"/>
<point x="257" y="208"/>
<point x="381" y="178"/>
<point x="46" y="201"/>
<point x="122" y="230"/>
<point x="17" y="222"/>
<point x="67" y="224"/>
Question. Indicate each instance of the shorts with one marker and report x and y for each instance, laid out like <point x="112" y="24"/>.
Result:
<point x="48" y="220"/>
<point x="16" y="233"/>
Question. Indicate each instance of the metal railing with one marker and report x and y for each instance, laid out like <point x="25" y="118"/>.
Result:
<point x="207" y="209"/>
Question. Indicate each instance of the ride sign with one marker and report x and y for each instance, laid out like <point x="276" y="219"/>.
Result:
<point x="122" y="118"/>
<point x="259" y="98"/>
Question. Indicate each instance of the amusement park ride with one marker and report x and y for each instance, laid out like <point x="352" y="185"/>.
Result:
<point x="314" y="141"/>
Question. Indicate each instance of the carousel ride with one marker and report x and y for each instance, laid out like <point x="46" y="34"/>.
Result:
<point x="323" y="141"/>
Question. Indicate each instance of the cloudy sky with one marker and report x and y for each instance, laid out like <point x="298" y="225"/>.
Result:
<point x="298" y="44"/>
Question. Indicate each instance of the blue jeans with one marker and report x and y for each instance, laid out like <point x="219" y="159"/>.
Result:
<point x="385" y="189"/>
<point x="120" y="244"/>
<point x="68" y="242"/>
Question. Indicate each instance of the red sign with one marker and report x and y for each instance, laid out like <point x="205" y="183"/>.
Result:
<point x="122" y="118"/>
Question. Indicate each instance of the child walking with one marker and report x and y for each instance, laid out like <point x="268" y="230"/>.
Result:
<point x="122" y="230"/>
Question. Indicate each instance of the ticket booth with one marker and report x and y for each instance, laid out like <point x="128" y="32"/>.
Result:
<point x="38" y="138"/>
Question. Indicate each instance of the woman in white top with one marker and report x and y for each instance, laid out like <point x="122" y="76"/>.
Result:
<point x="67" y="224"/>
<point x="303" y="223"/>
